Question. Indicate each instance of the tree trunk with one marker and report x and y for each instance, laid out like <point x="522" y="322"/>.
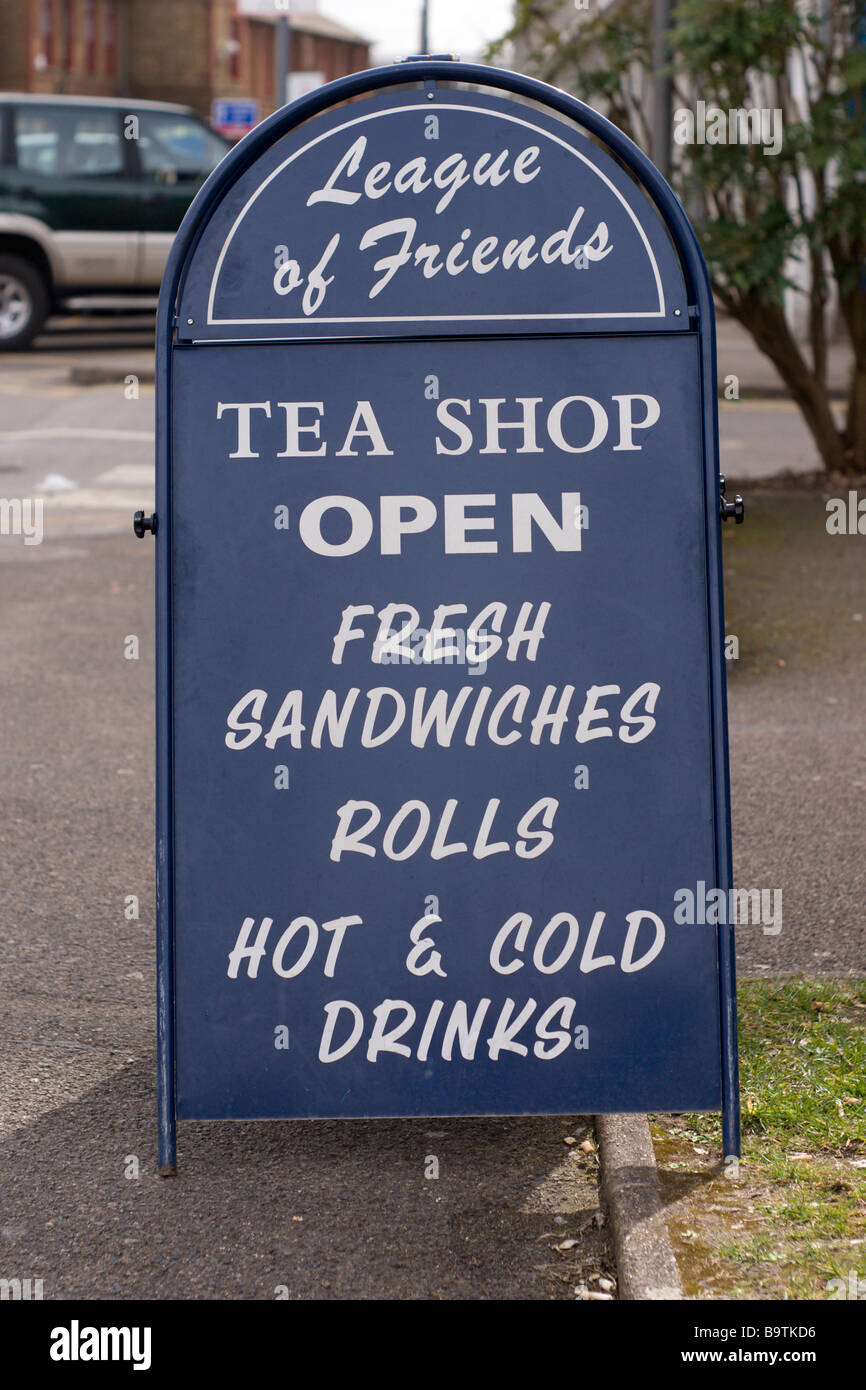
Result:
<point x="853" y="308"/>
<point x="855" y="429"/>
<point x="767" y="326"/>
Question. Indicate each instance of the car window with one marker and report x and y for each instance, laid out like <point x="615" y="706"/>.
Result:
<point x="68" y="141"/>
<point x="173" y="146"/>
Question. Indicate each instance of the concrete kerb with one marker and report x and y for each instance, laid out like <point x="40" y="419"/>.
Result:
<point x="645" y="1262"/>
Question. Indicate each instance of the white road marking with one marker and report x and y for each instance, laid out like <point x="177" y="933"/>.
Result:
<point x="56" y="482"/>
<point x="102" y="500"/>
<point x="129" y="475"/>
<point x="122" y="489"/>
<point x="76" y="432"/>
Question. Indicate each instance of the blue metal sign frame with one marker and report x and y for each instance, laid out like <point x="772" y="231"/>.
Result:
<point x="431" y="72"/>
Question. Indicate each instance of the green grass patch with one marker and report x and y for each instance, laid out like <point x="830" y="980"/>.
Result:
<point x="796" y="1217"/>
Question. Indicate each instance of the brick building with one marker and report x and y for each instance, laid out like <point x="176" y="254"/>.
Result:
<point x="190" y="51"/>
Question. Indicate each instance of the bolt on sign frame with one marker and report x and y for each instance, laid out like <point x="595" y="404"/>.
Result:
<point x="516" y="420"/>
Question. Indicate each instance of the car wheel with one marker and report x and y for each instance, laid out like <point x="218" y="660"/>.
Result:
<point x="23" y="302"/>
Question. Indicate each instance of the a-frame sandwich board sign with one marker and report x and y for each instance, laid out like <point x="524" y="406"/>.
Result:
<point x="441" y="729"/>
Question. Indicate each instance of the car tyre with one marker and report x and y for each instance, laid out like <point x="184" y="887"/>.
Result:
<point x="24" y="302"/>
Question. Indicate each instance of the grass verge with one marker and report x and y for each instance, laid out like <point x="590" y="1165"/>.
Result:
<point x="794" y="1220"/>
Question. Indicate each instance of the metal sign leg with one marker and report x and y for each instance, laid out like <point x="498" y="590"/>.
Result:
<point x="165" y="1075"/>
<point x="730" y="1082"/>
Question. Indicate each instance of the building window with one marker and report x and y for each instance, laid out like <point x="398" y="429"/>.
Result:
<point x="90" y="36"/>
<point x="234" y="47"/>
<point x="46" y="30"/>
<point x="68" y="13"/>
<point x="109" y="32"/>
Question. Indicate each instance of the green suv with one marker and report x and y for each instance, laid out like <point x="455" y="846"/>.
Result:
<point x="92" y="192"/>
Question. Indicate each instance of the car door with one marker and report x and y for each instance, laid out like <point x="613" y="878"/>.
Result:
<point x="71" y="172"/>
<point x="176" y="151"/>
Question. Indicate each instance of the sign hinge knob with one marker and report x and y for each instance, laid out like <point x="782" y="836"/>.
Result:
<point x="736" y="509"/>
<point x="142" y="523"/>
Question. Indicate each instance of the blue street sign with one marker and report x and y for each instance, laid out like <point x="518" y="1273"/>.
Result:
<point x="234" y="117"/>
<point x="441" y="704"/>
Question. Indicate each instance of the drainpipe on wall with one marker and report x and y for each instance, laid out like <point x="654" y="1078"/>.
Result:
<point x="282" y="60"/>
<point x="123" y="28"/>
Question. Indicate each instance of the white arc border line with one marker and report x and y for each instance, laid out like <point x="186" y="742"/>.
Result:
<point x="449" y="106"/>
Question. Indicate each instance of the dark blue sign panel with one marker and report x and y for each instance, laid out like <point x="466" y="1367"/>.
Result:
<point x="443" y="704"/>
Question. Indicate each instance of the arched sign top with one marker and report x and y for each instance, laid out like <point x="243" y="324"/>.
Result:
<point x="431" y="211"/>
